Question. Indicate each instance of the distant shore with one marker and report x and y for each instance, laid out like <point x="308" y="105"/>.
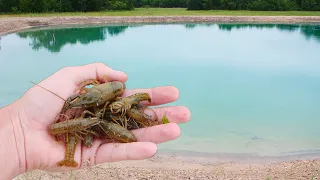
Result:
<point x="177" y="165"/>
<point x="15" y="24"/>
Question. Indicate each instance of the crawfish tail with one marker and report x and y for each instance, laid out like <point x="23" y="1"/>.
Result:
<point x="69" y="154"/>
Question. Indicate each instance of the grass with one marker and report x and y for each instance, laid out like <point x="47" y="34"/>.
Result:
<point x="171" y="12"/>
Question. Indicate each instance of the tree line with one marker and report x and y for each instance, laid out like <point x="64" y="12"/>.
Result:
<point x="100" y="5"/>
<point x="256" y="5"/>
<point x="37" y="6"/>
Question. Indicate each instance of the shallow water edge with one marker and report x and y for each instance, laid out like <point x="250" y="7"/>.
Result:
<point x="216" y="158"/>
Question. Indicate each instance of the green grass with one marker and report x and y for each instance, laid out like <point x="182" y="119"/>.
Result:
<point x="172" y="12"/>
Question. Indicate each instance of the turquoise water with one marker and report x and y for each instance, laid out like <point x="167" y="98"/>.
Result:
<point x="251" y="88"/>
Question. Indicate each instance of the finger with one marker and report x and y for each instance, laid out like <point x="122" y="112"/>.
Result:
<point x="175" y="114"/>
<point x="158" y="95"/>
<point x="158" y="134"/>
<point x="112" y="152"/>
<point x="73" y="76"/>
<point x="97" y="71"/>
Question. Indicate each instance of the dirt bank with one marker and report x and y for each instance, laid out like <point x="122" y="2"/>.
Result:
<point x="13" y="24"/>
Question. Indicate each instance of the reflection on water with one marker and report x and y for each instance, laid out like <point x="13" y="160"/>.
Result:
<point x="309" y="31"/>
<point x="251" y="88"/>
<point x="55" y="39"/>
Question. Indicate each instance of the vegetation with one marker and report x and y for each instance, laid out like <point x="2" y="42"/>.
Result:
<point x="257" y="5"/>
<point x="64" y="5"/>
<point x="167" y="12"/>
<point x="36" y="6"/>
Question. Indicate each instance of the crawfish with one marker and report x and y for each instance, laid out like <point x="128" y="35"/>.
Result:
<point x="77" y="125"/>
<point x="97" y="95"/>
<point x="125" y="103"/>
<point x="72" y="126"/>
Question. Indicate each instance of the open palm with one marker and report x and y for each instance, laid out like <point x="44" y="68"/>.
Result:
<point x="38" y="108"/>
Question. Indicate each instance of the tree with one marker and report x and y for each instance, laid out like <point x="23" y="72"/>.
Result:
<point x="195" y="5"/>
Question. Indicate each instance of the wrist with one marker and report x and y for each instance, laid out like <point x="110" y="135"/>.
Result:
<point x="12" y="151"/>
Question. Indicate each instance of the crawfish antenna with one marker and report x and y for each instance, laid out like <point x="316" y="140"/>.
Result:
<point x="48" y="91"/>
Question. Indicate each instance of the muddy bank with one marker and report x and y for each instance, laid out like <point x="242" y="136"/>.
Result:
<point x="13" y="24"/>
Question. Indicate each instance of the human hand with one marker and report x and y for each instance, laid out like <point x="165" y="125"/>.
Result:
<point x="37" y="108"/>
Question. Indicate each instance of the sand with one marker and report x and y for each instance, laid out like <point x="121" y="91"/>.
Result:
<point x="179" y="165"/>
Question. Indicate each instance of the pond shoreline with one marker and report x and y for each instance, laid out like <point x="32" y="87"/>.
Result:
<point x="15" y="24"/>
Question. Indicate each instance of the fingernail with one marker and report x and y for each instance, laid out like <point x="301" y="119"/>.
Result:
<point x="121" y="72"/>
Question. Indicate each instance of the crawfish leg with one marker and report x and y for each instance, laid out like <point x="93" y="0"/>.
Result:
<point x="135" y="123"/>
<point x="79" y="136"/>
<point x="70" y="151"/>
<point x="124" y="121"/>
<point x="104" y="108"/>
<point x="69" y="101"/>
<point x="85" y="83"/>
<point x="115" y="119"/>
<point x="106" y="78"/>
<point x="86" y="112"/>
<point x="73" y="97"/>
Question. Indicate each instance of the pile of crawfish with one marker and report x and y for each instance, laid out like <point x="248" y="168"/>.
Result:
<point x="101" y="112"/>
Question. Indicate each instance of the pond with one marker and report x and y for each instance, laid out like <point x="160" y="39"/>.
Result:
<point x="251" y="88"/>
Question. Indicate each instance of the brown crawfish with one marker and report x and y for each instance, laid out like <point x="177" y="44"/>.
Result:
<point x="78" y="126"/>
<point x="124" y="104"/>
<point x="97" y="95"/>
<point x="73" y="126"/>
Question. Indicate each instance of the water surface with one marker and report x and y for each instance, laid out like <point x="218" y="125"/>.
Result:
<point x="251" y="88"/>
